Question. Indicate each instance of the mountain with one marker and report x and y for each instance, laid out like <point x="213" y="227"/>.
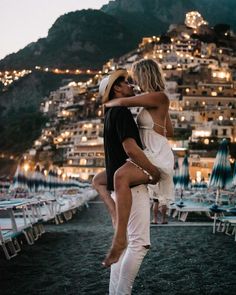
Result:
<point x="80" y="39"/>
<point x="89" y="38"/>
<point x="152" y="17"/>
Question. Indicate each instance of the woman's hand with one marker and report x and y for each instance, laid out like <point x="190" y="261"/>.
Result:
<point x="113" y="103"/>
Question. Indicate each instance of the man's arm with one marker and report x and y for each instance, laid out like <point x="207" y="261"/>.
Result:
<point x="137" y="155"/>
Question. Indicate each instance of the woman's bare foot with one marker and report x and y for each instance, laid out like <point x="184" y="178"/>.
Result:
<point x="113" y="220"/>
<point x="114" y="253"/>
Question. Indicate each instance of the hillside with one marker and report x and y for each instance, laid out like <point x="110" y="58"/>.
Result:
<point x="20" y="119"/>
<point x="81" y="39"/>
<point x="88" y="38"/>
<point x="152" y="17"/>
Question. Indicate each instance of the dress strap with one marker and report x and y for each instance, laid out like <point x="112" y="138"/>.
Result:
<point x="161" y="126"/>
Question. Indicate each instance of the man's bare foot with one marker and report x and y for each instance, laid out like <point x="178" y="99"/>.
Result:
<point x="114" y="253"/>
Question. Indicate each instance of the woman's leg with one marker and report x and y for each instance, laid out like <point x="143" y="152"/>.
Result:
<point x="100" y="184"/>
<point x="126" y="176"/>
<point x="155" y="209"/>
<point x="164" y="214"/>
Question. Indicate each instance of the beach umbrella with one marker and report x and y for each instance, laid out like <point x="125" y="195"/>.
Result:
<point x="4" y="184"/>
<point x="37" y="179"/>
<point x="19" y="179"/>
<point x="30" y="180"/>
<point x="221" y="176"/>
<point x="234" y="174"/>
<point x="183" y="180"/>
<point x="45" y="184"/>
<point x="203" y="185"/>
<point x="50" y="180"/>
<point x="176" y="172"/>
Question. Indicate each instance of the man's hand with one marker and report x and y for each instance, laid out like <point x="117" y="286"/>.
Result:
<point x="155" y="174"/>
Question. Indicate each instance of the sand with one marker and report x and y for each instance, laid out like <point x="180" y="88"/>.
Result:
<point x="67" y="260"/>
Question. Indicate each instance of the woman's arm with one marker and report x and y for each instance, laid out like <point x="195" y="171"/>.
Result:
<point x="169" y="127"/>
<point x="153" y="99"/>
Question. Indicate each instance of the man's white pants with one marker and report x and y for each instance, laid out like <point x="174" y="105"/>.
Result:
<point x="123" y="272"/>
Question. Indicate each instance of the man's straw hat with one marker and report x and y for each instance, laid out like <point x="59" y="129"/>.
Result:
<point x="108" y="81"/>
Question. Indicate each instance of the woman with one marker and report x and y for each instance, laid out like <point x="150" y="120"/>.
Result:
<point x="155" y="125"/>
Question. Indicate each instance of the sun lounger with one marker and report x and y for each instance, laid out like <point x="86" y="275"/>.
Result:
<point x="227" y="224"/>
<point x="181" y="210"/>
<point x="9" y="243"/>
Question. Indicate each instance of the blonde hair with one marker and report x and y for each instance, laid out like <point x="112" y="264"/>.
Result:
<point x="148" y="75"/>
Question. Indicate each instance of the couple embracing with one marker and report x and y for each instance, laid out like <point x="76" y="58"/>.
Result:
<point x="139" y="162"/>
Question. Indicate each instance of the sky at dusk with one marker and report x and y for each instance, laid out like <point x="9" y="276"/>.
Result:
<point x="25" y="21"/>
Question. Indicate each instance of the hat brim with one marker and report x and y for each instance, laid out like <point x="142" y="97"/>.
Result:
<point x="113" y="77"/>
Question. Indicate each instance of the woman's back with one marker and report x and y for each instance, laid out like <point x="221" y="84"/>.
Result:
<point x="155" y="141"/>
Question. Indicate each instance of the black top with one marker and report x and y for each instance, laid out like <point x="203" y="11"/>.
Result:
<point x="118" y="126"/>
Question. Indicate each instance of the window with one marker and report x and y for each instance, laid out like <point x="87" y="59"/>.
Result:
<point x="214" y="132"/>
<point x="224" y="132"/>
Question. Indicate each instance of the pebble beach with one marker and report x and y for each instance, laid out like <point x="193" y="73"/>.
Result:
<point x="66" y="260"/>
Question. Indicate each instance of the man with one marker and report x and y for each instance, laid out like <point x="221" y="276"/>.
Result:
<point x="122" y="141"/>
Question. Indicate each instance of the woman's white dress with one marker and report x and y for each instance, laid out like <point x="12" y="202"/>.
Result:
<point x="158" y="151"/>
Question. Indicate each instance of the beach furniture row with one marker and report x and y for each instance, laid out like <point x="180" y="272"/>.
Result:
<point x="25" y="217"/>
<point x="200" y="202"/>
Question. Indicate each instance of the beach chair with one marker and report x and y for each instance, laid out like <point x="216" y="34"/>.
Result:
<point x="222" y="221"/>
<point x="20" y="219"/>
<point x="9" y="243"/>
<point x="183" y="208"/>
<point x="227" y="224"/>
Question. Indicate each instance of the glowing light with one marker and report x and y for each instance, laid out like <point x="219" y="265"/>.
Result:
<point x="26" y="167"/>
<point x="194" y="20"/>
<point x="202" y="133"/>
<point x="83" y="161"/>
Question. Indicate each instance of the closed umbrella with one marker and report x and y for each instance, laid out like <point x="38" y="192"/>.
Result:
<point x="234" y="175"/>
<point x="221" y="176"/>
<point x="183" y="180"/>
<point x="176" y="172"/>
<point x="20" y="179"/>
<point x="37" y="179"/>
